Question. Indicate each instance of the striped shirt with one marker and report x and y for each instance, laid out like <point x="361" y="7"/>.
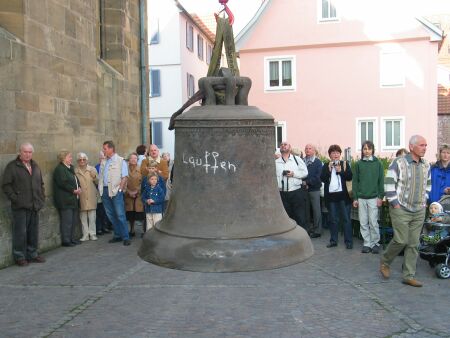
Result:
<point x="408" y="183"/>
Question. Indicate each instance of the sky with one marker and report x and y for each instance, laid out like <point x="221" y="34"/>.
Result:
<point x="243" y="10"/>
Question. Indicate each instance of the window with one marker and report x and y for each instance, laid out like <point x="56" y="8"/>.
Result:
<point x="155" y="83"/>
<point x="280" y="133"/>
<point x="200" y="47"/>
<point x="279" y="73"/>
<point x="366" y="130"/>
<point x="393" y="133"/>
<point x="101" y="30"/>
<point x="209" y="49"/>
<point x="327" y="10"/>
<point x="157" y="133"/>
<point x="392" y="73"/>
<point x="154" y="31"/>
<point x="189" y="37"/>
<point x="190" y="85"/>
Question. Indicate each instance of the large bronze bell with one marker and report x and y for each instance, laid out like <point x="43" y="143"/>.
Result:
<point x="225" y="213"/>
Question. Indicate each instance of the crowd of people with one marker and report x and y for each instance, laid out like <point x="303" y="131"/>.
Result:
<point x="117" y="193"/>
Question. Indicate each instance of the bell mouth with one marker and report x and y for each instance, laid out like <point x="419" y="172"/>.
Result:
<point x="218" y="255"/>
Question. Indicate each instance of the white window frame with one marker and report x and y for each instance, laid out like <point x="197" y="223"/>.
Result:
<point x="358" y="139"/>
<point x="385" y="70"/>
<point x="383" y="121"/>
<point x="321" y="19"/>
<point x="189" y="36"/>
<point x="153" y="71"/>
<point x="209" y="50"/>
<point x="281" y="124"/>
<point x="190" y="85"/>
<point x="200" y="47"/>
<point x="279" y="59"/>
<point x="154" y="31"/>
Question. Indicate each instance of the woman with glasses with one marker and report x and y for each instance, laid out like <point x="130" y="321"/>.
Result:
<point x="87" y="176"/>
<point x="334" y="174"/>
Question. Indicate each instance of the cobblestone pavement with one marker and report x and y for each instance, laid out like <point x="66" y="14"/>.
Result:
<point x="99" y="289"/>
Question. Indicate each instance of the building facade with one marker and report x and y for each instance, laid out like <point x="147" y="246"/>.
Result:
<point x="343" y="72"/>
<point x="71" y="76"/>
<point x="179" y="53"/>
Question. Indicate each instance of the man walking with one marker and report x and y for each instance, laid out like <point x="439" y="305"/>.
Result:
<point x="112" y="180"/>
<point x="312" y="183"/>
<point x="24" y="187"/>
<point x="407" y="186"/>
<point x="290" y="171"/>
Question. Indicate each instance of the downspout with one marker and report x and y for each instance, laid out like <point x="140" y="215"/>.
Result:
<point x="143" y="71"/>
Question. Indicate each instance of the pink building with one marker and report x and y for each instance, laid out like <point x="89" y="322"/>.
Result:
<point x="343" y="72"/>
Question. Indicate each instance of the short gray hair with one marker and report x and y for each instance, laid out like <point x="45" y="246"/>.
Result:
<point x="414" y="139"/>
<point x="26" y="144"/>
<point x="82" y="155"/>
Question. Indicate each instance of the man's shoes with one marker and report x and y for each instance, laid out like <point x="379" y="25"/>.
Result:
<point x="69" y="244"/>
<point x="349" y="246"/>
<point x="331" y="244"/>
<point x="106" y="231"/>
<point x="376" y="249"/>
<point x="412" y="282"/>
<point x="385" y="270"/>
<point x="93" y="238"/>
<point x="315" y="235"/>
<point x="366" y="249"/>
<point x="83" y="239"/>
<point x="126" y="242"/>
<point x="115" y="240"/>
<point x="76" y="242"/>
<point x="37" y="259"/>
<point x="99" y="233"/>
<point x="22" y="262"/>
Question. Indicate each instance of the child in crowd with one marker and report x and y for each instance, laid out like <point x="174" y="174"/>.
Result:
<point x="433" y="233"/>
<point x="153" y="198"/>
<point x="153" y="168"/>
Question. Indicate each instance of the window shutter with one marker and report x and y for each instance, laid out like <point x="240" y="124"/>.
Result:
<point x="155" y="82"/>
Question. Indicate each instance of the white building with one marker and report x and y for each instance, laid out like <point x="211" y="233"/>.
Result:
<point x="179" y="54"/>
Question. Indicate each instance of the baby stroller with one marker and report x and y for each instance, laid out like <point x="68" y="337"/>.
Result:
<point x="434" y="244"/>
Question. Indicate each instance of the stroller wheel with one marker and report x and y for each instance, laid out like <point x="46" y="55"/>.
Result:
<point x="443" y="271"/>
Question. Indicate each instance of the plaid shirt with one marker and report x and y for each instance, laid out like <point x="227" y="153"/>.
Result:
<point x="408" y="183"/>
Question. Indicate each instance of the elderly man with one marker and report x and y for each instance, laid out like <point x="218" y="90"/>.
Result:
<point x="312" y="183"/>
<point x="290" y="171"/>
<point x="24" y="187"/>
<point x="407" y="186"/>
<point x="163" y="166"/>
<point x="111" y="183"/>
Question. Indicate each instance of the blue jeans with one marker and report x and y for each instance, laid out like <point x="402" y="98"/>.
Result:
<point x="115" y="210"/>
<point x="342" y="209"/>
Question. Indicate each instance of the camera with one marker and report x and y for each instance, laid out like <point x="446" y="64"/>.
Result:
<point x="336" y="163"/>
<point x="285" y="172"/>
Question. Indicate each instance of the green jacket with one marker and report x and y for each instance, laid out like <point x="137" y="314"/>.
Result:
<point x="368" y="179"/>
<point x="64" y="183"/>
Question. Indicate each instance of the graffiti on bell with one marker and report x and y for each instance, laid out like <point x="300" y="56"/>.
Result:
<point x="211" y="162"/>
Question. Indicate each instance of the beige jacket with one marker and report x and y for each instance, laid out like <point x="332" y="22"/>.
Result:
<point x="114" y="175"/>
<point x="88" y="179"/>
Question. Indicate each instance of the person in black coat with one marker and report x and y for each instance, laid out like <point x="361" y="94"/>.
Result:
<point x="335" y="174"/>
<point x="66" y="191"/>
<point x="24" y="187"/>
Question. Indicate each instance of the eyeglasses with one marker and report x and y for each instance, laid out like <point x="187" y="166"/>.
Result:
<point x="82" y="159"/>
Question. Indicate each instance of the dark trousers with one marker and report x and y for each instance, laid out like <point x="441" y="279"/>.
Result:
<point x="25" y="233"/>
<point x="340" y="211"/>
<point x="294" y="203"/>
<point x="68" y="222"/>
<point x="102" y="222"/>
